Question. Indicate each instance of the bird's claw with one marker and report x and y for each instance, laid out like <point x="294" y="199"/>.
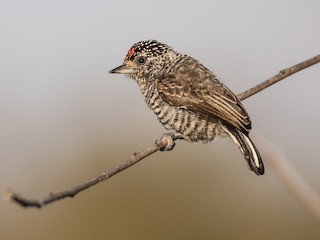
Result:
<point x="170" y="138"/>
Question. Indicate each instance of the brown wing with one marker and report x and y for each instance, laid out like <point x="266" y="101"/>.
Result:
<point x="198" y="90"/>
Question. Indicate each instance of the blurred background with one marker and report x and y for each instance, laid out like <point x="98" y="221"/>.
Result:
<point x="65" y="119"/>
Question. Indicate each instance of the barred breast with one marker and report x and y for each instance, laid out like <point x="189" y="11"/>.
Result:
<point x="190" y="125"/>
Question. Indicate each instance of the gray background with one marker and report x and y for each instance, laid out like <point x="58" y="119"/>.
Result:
<point x="64" y="119"/>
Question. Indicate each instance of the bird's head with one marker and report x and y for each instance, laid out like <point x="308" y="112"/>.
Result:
<point x="145" y="59"/>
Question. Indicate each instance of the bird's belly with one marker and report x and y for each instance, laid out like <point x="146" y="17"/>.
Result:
<point x="193" y="127"/>
<point x="190" y="125"/>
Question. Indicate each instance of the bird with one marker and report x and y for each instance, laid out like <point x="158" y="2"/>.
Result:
<point x="188" y="98"/>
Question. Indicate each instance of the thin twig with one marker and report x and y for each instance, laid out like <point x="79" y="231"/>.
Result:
<point x="136" y="157"/>
<point x="52" y="197"/>
<point x="281" y="75"/>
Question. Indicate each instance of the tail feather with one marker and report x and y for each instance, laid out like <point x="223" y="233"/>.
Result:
<point x="247" y="148"/>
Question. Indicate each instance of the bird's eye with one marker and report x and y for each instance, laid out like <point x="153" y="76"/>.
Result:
<point x="141" y="60"/>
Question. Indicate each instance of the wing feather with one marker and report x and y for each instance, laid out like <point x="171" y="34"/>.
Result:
<point x="198" y="90"/>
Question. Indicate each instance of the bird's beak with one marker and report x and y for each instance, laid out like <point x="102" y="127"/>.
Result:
<point x="123" y="69"/>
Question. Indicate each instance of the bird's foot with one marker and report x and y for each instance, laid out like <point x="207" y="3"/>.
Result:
<point x="170" y="138"/>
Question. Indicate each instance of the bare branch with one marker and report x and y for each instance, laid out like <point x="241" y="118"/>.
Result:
<point x="161" y="144"/>
<point x="52" y="197"/>
<point x="280" y="76"/>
